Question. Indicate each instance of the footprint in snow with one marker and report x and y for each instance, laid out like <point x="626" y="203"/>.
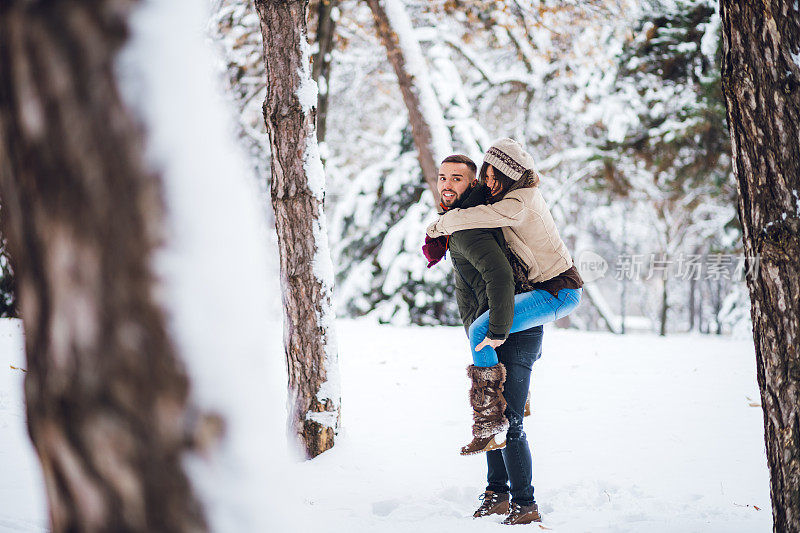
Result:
<point x="385" y="507"/>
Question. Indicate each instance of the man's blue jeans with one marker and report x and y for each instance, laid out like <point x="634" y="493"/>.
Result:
<point x="512" y="465"/>
<point x="531" y="309"/>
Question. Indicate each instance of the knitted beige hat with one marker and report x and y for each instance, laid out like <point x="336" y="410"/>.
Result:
<point x="508" y="156"/>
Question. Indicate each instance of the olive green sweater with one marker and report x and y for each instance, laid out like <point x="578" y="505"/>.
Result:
<point x="483" y="276"/>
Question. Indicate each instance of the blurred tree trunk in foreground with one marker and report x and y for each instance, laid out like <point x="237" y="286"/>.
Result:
<point x="298" y="182"/>
<point x="761" y="81"/>
<point x="106" y="395"/>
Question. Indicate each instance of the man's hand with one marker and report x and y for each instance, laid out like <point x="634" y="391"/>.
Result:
<point x="494" y="343"/>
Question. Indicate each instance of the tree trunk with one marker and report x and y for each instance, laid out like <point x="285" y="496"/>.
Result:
<point x="662" y="330"/>
<point x="321" y="69"/>
<point x="595" y="295"/>
<point x="701" y="311"/>
<point x="297" y="194"/>
<point x="106" y="394"/>
<point x="692" y="303"/>
<point x="717" y="304"/>
<point x="761" y="82"/>
<point x="431" y="136"/>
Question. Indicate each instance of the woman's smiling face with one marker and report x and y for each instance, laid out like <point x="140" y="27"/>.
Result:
<point x="493" y="184"/>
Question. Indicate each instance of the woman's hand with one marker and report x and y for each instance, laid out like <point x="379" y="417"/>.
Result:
<point x="494" y="343"/>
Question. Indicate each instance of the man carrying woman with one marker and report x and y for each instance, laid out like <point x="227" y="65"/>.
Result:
<point x="513" y="274"/>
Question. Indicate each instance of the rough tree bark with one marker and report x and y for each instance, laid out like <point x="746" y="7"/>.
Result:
<point x="106" y="394"/>
<point x="662" y="328"/>
<point x="321" y="69"/>
<point x="297" y="197"/>
<point x="427" y="125"/>
<point x="761" y="82"/>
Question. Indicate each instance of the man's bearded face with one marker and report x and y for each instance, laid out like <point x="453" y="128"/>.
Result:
<point x="455" y="179"/>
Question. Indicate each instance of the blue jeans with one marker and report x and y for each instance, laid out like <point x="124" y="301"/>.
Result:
<point x="531" y="309"/>
<point x="512" y="465"/>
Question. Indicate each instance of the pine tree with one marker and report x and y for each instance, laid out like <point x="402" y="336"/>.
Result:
<point x="670" y="74"/>
<point x="380" y="226"/>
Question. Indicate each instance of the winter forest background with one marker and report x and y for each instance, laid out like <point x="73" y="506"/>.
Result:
<point x="618" y="100"/>
<point x="621" y="103"/>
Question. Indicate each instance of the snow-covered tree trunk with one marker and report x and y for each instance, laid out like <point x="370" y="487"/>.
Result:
<point x="761" y="81"/>
<point x="431" y="136"/>
<point x="105" y="391"/>
<point x="298" y="183"/>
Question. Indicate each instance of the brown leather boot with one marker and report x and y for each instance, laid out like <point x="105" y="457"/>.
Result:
<point x="528" y="405"/>
<point x="522" y="514"/>
<point x="488" y="408"/>
<point x="483" y="444"/>
<point x="493" y="503"/>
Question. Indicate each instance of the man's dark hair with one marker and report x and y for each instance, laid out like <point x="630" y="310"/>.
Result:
<point x="458" y="158"/>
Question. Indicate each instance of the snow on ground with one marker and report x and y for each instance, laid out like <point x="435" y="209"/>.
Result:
<point x="629" y="433"/>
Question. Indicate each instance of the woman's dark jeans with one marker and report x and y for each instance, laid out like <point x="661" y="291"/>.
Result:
<point x="513" y="464"/>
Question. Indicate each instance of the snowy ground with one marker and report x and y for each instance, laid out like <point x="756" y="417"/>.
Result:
<point x="634" y="433"/>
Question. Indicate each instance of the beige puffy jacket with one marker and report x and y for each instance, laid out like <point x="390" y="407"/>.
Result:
<point x="528" y="227"/>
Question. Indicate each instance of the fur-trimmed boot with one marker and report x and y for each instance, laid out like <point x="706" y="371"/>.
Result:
<point x="488" y="408"/>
